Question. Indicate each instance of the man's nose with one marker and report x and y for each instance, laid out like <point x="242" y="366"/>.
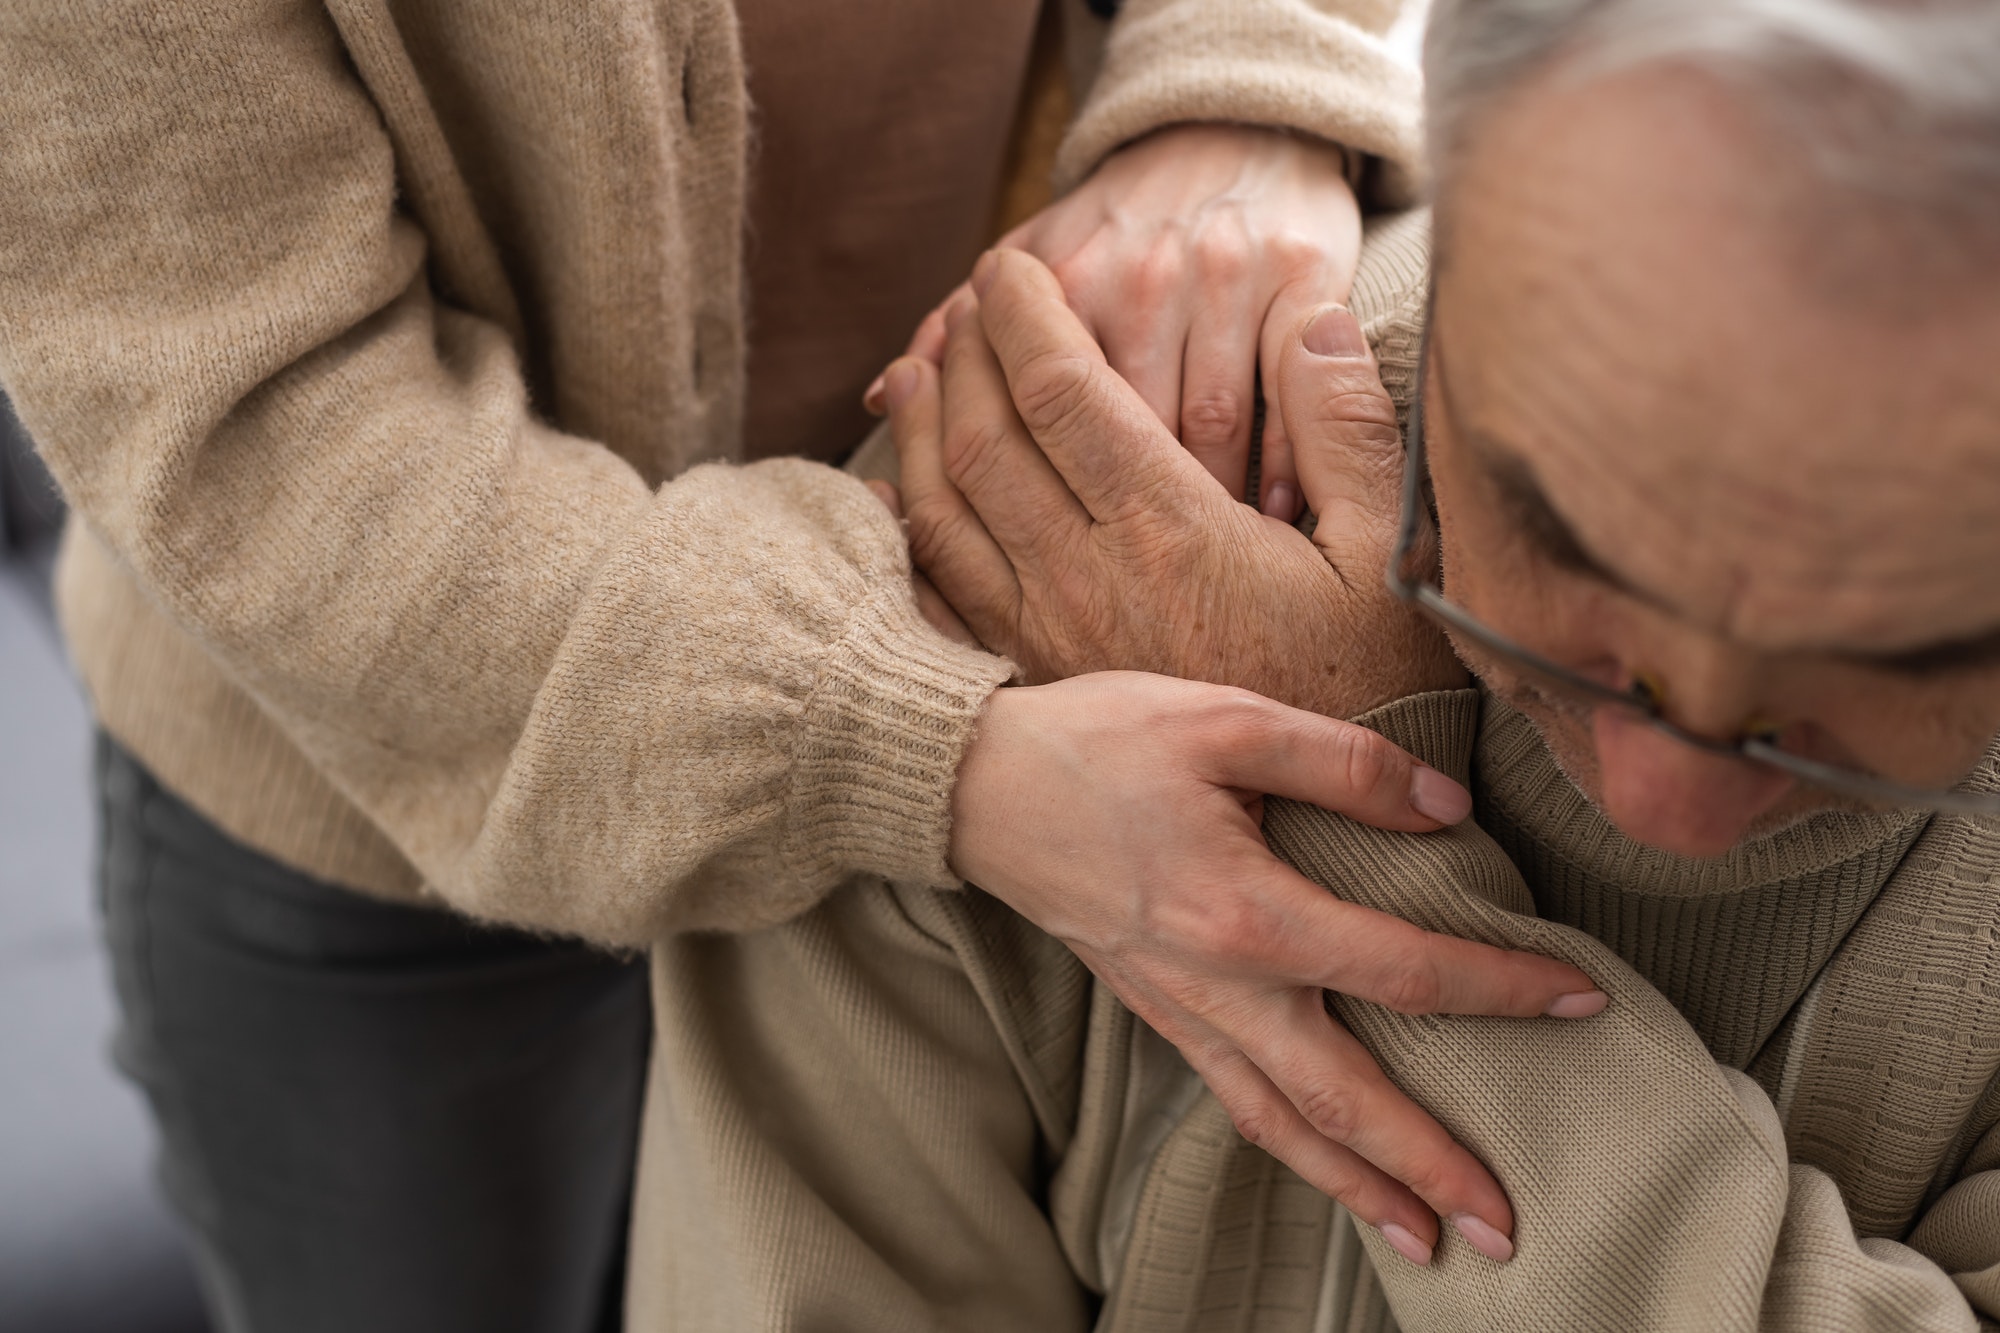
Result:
<point x="1673" y="796"/>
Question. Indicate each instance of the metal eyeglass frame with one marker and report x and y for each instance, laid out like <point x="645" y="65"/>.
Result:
<point x="1430" y="599"/>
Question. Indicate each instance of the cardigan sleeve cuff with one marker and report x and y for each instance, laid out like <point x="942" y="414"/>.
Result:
<point x="883" y="733"/>
<point x="1281" y="63"/>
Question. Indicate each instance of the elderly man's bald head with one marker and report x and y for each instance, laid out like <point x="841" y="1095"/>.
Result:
<point x="1715" y="396"/>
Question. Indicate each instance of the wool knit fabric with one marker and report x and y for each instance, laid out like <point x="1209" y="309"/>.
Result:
<point x="909" y="1109"/>
<point x="392" y="359"/>
<point x="1784" y="1119"/>
<point x="1848" y="1185"/>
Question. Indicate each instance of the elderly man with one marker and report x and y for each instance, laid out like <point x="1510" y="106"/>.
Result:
<point x="1708" y="415"/>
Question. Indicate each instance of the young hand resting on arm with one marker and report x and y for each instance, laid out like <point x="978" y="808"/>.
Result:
<point x="1133" y="556"/>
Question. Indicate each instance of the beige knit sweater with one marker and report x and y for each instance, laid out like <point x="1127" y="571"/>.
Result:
<point x="1785" y="1120"/>
<point x="1846" y="1181"/>
<point x="391" y="358"/>
<point x="909" y="1109"/>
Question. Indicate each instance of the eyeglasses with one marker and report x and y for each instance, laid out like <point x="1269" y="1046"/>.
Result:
<point x="1643" y="699"/>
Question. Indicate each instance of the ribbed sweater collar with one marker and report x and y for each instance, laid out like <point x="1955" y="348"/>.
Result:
<point x="1732" y="941"/>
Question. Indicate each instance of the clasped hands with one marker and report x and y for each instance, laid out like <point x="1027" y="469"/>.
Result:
<point x="1186" y="655"/>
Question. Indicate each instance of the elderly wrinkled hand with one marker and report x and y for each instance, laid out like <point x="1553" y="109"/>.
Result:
<point x="1191" y="255"/>
<point x="1120" y="812"/>
<point x="1072" y="533"/>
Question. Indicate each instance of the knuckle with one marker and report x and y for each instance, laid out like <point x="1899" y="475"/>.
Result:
<point x="1226" y="928"/>
<point x="1370" y="764"/>
<point x="930" y="534"/>
<point x="1155" y="272"/>
<point x="1052" y="389"/>
<point x="1222" y="255"/>
<point x="1427" y="1176"/>
<point x="1074" y="274"/>
<point x="1212" y="417"/>
<point x="1221" y="926"/>
<point x="1233" y="717"/>
<point x="972" y="449"/>
<point x="1333" y="1110"/>
<point x="1259" y="1122"/>
<point x="1362" y="413"/>
<point x="1414" y="986"/>
<point x="1295" y="252"/>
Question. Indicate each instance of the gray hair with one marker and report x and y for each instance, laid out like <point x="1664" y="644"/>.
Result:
<point x="1899" y="98"/>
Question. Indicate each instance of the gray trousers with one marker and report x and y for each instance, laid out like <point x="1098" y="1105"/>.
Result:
<point x="372" y="1116"/>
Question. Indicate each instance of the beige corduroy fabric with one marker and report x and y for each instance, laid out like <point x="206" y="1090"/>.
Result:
<point x="909" y="1109"/>
<point x="391" y="356"/>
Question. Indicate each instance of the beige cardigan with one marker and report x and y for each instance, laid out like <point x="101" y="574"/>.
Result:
<point x="387" y="353"/>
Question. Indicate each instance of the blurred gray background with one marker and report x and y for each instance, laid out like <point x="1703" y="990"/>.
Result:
<point x="86" y="1245"/>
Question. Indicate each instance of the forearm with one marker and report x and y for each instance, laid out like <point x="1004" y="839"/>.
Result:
<point x="1315" y="66"/>
<point x="572" y="701"/>
<point x="1651" y="1186"/>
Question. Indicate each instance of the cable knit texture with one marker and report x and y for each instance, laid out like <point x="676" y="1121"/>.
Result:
<point x="378" y="348"/>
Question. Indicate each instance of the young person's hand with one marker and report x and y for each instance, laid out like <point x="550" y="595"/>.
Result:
<point x="1120" y="811"/>
<point x="1190" y="256"/>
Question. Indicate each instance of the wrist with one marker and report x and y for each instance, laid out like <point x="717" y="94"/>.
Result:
<point x="974" y="794"/>
<point x="881" y="734"/>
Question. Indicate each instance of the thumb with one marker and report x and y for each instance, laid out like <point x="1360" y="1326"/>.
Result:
<point x="1264" y="746"/>
<point x="1347" y="446"/>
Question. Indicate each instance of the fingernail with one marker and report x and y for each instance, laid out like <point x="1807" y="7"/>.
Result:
<point x="873" y="400"/>
<point x="1282" y="501"/>
<point x="982" y="272"/>
<point x="1483" y="1238"/>
<point x="1335" y="332"/>
<point x="1438" y="797"/>
<point x="1578" y="1004"/>
<point x="898" y="383"/>
<point x="1406" y="1244"/>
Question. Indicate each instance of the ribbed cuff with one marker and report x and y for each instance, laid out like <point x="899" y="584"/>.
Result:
<point x="884" y="730"/>
<point x="1255" y="62"/>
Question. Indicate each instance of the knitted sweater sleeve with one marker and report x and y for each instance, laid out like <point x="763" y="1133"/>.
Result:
<point x="1320" y="67"/>
<point x="1651" y="1186"/>
<point x="572" y="700"/>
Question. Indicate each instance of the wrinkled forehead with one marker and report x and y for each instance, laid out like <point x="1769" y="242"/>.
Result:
<point x="1742" y="390"/>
